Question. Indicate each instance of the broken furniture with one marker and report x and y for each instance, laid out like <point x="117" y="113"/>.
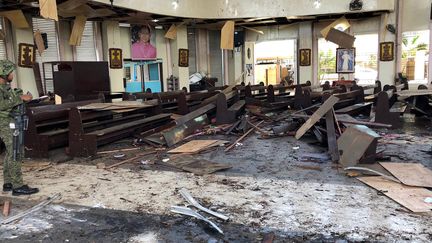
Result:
<point x="48" y="128"/>
<point x="420" y="100"/>
<point x="90" y="128"/>
<point x="355" y="99"/>
<point x="177" y="102"/>
<point x="73" y="79"/>
<point x="225" y="114"/>
<point x="357" y="145"/>
<point x="387" y="110"/>
<point x="266" y="95"/>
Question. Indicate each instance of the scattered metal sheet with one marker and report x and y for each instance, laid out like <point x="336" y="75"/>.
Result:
<point x="195" y="114"/>
<point x="188" y="197"/>
<point x="374" y="172"/>
<point x="190" y="212"/>
<point x="179" y="132"/>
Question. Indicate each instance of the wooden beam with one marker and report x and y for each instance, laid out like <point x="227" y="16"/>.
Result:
<point x="77" y="30"/>
<point x="331" y="136"/>
<point x="316" y="116"/>
<point x="227" y="35"/>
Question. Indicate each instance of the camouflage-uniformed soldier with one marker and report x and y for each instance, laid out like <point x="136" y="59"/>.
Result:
<point x="9" y="99"/>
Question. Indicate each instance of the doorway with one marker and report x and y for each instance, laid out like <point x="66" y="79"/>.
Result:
<point x="275" y="62"/>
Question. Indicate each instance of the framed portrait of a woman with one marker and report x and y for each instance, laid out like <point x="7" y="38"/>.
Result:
<point x="345" y="60"/>
<point x="143" y="42"/>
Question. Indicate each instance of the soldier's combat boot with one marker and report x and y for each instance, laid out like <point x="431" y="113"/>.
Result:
<point x="7" y="187"/>
<point x="24" y="190"/>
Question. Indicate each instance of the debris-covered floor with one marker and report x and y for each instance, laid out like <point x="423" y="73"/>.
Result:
<point x="283" y="186"/>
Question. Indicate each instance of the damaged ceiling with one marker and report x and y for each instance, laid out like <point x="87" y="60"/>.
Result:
<point x="95" y="11"/>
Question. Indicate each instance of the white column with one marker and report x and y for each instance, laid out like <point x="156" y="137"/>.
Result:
<point x="387" y="70"/>
<point x="180" y="42"/>
<point x="111" y="39"/>
<point x="24" y="77"/>
<point x="305" y="42"/>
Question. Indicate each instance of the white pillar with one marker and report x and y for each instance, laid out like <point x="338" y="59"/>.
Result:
<point x="305" y="42"/>
<point x="24" y="77"/>
<point x="111" y="39"/>
<point x="180" y="42"/>
<point x="387" y="70"/>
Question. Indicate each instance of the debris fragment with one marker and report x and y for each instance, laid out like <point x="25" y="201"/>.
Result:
<point x="118" y="156"/>
<point x="410" y="197"/>
<point x="241" y="138"/>
<point x="188" y="197"/>
<point x="410" y="174"/>
<point x="6" y="208"/>
<point x="117" y="151"/>
<point x="130" y="160"/>
<point x="32" y="210"/>
<point x="190" y="212"/>
<point x="373" y="171"/>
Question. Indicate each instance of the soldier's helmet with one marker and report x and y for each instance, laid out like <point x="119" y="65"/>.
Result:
<point x="6" y="67"/>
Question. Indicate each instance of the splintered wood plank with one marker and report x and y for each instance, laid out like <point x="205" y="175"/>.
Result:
<point x="413" y="198"/>
<point x="331" y="136"/>
<point x="172" y="32"/>
<point x="227" y="35"/>
<point x="316" y="116"/>
<point x="411" y="174"/>
<point x="39" y="42"/>
<point x="6" y="208"/>
<point x="48" y="9"/>
<point x="194" y="146"/>
<point x="77" y="30"/>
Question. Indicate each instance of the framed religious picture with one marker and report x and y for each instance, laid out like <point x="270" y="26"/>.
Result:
<point x="183" y="58"/>
<point x="26" y="55"/>
<point x="116" y="58"/>
<point x="345" y="60"/>
<point x="386" y="51"/>
<point x="305" y="57"/>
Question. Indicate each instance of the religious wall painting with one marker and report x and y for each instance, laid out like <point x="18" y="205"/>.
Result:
<point x="345" y="60"/>
<point x="26" y="55"/>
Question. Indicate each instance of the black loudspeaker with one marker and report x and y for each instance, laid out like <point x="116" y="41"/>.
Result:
<point x="45" y="39"/>
<point x="356" y="5"/>
<point x="238" y="38"/>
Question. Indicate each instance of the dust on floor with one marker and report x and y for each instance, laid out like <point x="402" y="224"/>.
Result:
<point x="269" y="189"/>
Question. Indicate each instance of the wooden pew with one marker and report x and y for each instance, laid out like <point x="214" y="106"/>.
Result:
<point x="91" y="128"/>
<point x="48" y="128"/>
<point x="226" y="113"/>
